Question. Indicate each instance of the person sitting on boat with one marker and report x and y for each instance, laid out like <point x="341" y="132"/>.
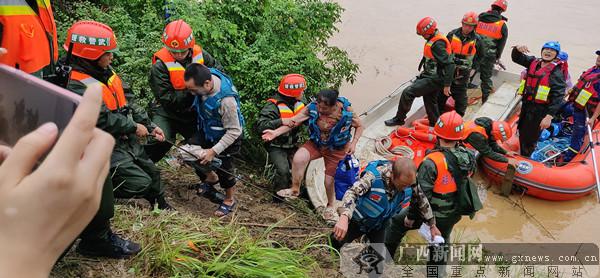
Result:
<point x="441" y="175"/>
<point x="483" y="135"/>
<point x="437" y="74"/>
<point x="330" y="120"/>
<point x="378" y="195"/>
<point x="542" y="89"/>
<point x="285" y="104"/>
<point x="468" y="48"/>
<point x="581" y="97"/>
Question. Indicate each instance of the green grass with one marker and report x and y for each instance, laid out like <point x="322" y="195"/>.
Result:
<point x="177" y="244"/>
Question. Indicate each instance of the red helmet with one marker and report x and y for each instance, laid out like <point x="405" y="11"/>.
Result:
<point x="449" y="126"/>
<point x="292" y="85"/>
<point x="501" y="131"/>
<point x="426" y="26"/>
<point x="90" y="39"/>
<point x="178" y="36"/>
<point x="470" y="18"/>
<point x="502" y="4"/>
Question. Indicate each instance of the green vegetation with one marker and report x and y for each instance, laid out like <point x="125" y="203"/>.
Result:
<point x="178" y="244"/>
<point x="257" y="41"/>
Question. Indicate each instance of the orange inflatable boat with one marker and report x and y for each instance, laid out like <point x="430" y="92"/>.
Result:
<point x="550" y="182"/>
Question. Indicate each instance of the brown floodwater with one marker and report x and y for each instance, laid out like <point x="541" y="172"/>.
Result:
<point x="380" y="36"/>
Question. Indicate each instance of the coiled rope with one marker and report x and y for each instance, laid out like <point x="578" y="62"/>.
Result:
<point x="382" y="147"/>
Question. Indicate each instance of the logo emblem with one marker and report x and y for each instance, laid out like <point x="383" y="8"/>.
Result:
<point x="174" y="43"/>
<point x="368" y="259"/>
<point x="524" y="167"/>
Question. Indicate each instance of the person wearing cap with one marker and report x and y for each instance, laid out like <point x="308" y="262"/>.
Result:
<point x="583" y="99"/>
<point x="443" y="172"/>
<point x="467" y="49"/>
<point x="172" y="108"/>
<point x="492" y="27"/>
<point x="132" y="173"/>
<point x="284" y="104"/>
<point x="437" y="74"/>
<point x="483" y="134"/>
<point x="542" y="90"/>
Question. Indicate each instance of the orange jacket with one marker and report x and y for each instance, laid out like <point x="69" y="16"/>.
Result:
<point x="427" y="50"/>
<point x="176" y="70"/>
<point x="113" y="95"/>
<point x="444" y="183"/>
<point x="29" y="37"/>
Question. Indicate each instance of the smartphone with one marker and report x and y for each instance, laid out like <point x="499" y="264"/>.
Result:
<point x="26" y="102"/>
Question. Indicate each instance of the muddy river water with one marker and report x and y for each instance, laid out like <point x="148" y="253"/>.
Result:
<point x="380" y="36"/>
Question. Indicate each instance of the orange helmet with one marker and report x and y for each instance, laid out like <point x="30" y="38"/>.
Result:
<point x="178" y="36"/>
<point x="502" y="4"/>
<point x="90" y="39"/>
<point x="501" y="131"/>
<point x="449" y="126"/>
<point x="292" y="85"/>
<point x="470" y="18"/>
<point x="426" y="26"/>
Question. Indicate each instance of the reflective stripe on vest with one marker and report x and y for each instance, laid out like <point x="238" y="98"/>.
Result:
<point x="113" y="95"/>
<point x="284" y="111"/>
<point x="467" y="49"/>
<point x="427" y="49"/>
<point x="444" y="183"/>
<point x="536" y="84"/>
<point x="491" y="30"/>
<point x="30" y="39"/>
<point x="472" y="127"/>
<point x="176" y="70"/>
<point x="585" y="89"/>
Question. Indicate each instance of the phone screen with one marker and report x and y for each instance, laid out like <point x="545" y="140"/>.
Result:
<point x="26" y="102"/>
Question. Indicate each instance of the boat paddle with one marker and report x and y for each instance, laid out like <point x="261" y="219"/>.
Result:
<point x="507" y="182"/>
<point x="589" y="130"/>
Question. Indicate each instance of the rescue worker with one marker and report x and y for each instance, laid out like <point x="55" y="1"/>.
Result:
<point x="483" y="135"/>
<point x="378" y="195"/>
<point x="443" y="172"/>
<point x="220" y="129"/>
<point x="330" y="122"/>
<point x="284" y="104"/>
<point x="172" y="109"/>
<point x="28" y="33"/>
<point x="492" y="27"/>
<point x="583" y="101"/>
<point x="92" y="46"/>
<point x="467" y="48"/>
<point x="135" y="174"/>
<point x="437" y="74"/>
<point x="543" y="90"/>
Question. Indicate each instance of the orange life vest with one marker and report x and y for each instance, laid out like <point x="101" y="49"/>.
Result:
<point x="113" y="95"/>
<point x="176" y="70"/>
<point x="491" y="30"/>
<point x="444" y="183"/>
<point x="285" y="111"/>
<point x="29" y="36"/>
<point x="458" y="48"/>
<point x="427" y="49"/>
<point x="536" y="83"/>
<point x="472" y="127"/>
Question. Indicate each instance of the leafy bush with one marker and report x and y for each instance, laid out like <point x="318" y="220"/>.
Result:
<point x="257" y="41"/>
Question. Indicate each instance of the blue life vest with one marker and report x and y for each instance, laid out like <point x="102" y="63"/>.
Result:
<point x="340" y="133"/>
<point x="209" y="118"/>
<point x="374" y="208"/>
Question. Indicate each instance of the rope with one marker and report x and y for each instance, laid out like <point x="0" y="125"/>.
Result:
<point x="382" y="145"/>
